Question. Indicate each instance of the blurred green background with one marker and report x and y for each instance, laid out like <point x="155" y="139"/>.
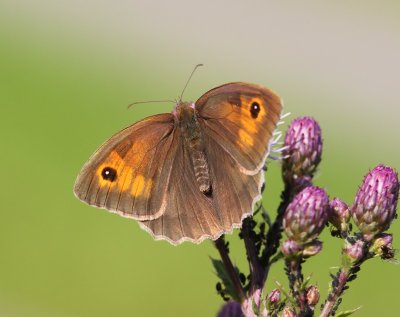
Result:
<point x="68" y="69"/>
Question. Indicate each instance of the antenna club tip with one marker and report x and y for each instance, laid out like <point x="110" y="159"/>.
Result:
<point x="187" y="82"/>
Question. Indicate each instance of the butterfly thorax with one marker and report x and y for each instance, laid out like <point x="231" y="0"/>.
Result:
<point x="187" y="120"/>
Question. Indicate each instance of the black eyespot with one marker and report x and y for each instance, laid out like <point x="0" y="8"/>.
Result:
<point x="255" y="109"/>
<point x="109" y="174"/>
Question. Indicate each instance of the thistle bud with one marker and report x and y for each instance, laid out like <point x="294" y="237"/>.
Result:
<point x="375" y="204"/>
<point x="231" y="309"/>
<point x="302" y="153"/>
<point x="354" y="252"/>
<point x="382" y="246"/>
<point x="312" y="295"/>
<point x="306" y="215"/>
<point x="339" y="214"/>
<point x="288" y="312"/>
<point x="274" y="297"/>
<point x="291" y="249"/>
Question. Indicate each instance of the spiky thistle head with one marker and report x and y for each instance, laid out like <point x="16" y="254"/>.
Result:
<point x="375" y="204"/>
<point x="302" y="151"/>
<point x="306" y="215"/>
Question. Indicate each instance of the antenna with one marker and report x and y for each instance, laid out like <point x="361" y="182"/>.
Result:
<point x="148" y="101"/>
<point x="187" y="82"/>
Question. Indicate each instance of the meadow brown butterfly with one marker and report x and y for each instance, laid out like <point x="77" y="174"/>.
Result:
<point x="192" y="174"/>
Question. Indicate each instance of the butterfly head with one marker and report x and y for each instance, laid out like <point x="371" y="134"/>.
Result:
<point x="183" y="110"/>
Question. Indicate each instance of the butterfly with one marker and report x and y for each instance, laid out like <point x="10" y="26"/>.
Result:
<point x="192" y="174"/>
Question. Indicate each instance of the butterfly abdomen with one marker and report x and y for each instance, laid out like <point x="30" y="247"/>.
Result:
<point x="192" y="134"/>
<point x="201" y="171"/>
<point x="195" y="144"/>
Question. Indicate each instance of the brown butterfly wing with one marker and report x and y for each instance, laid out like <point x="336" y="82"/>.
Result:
<point x="190" y="215"/>
<point x="241" y="118"/>
<point x="234" y="193"/>
<point x="129" y="173"/>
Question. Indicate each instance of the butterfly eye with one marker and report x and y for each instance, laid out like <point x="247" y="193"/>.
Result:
<point x="255" y="109"/>
<point x="108" y="173"/>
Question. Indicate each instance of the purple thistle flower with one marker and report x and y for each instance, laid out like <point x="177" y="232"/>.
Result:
<point x="375" y="204"/>
<point x="302" y="151"/>
<point x="339" y="215"/>
<point x="231" y="309"/>
<point x="306" y="215"/>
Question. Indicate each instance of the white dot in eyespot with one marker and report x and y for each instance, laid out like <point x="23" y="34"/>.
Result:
<point x="255" y="109"/>
<point x="108" y="173"/>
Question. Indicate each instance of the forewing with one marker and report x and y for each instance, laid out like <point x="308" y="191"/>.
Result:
<point x="241" y="118"/>
<point x="129" y="173"/>
<point x="189" y="214"/>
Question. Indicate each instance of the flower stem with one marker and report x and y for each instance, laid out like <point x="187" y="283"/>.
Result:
<point x="256" y="270"/>
<point x="274" y="234"/>
<point x="230" y="269"/>
<point x="296" y="283"/>
<point x="336" y="292"/>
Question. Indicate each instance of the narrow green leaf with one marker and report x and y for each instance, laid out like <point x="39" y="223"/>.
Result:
<point x="225" y="279"/>
<point x="347" y="312"/>
<point x="283" y="291"/>
<point x="306" y="281"/>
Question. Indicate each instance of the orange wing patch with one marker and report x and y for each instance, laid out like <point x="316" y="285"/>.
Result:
<point x="252" y="112"/>
<point x="141" y="186"/>
<point x="245" y="137"/>
<point x="115" y="165"/>
<point x="123" y="178"/>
